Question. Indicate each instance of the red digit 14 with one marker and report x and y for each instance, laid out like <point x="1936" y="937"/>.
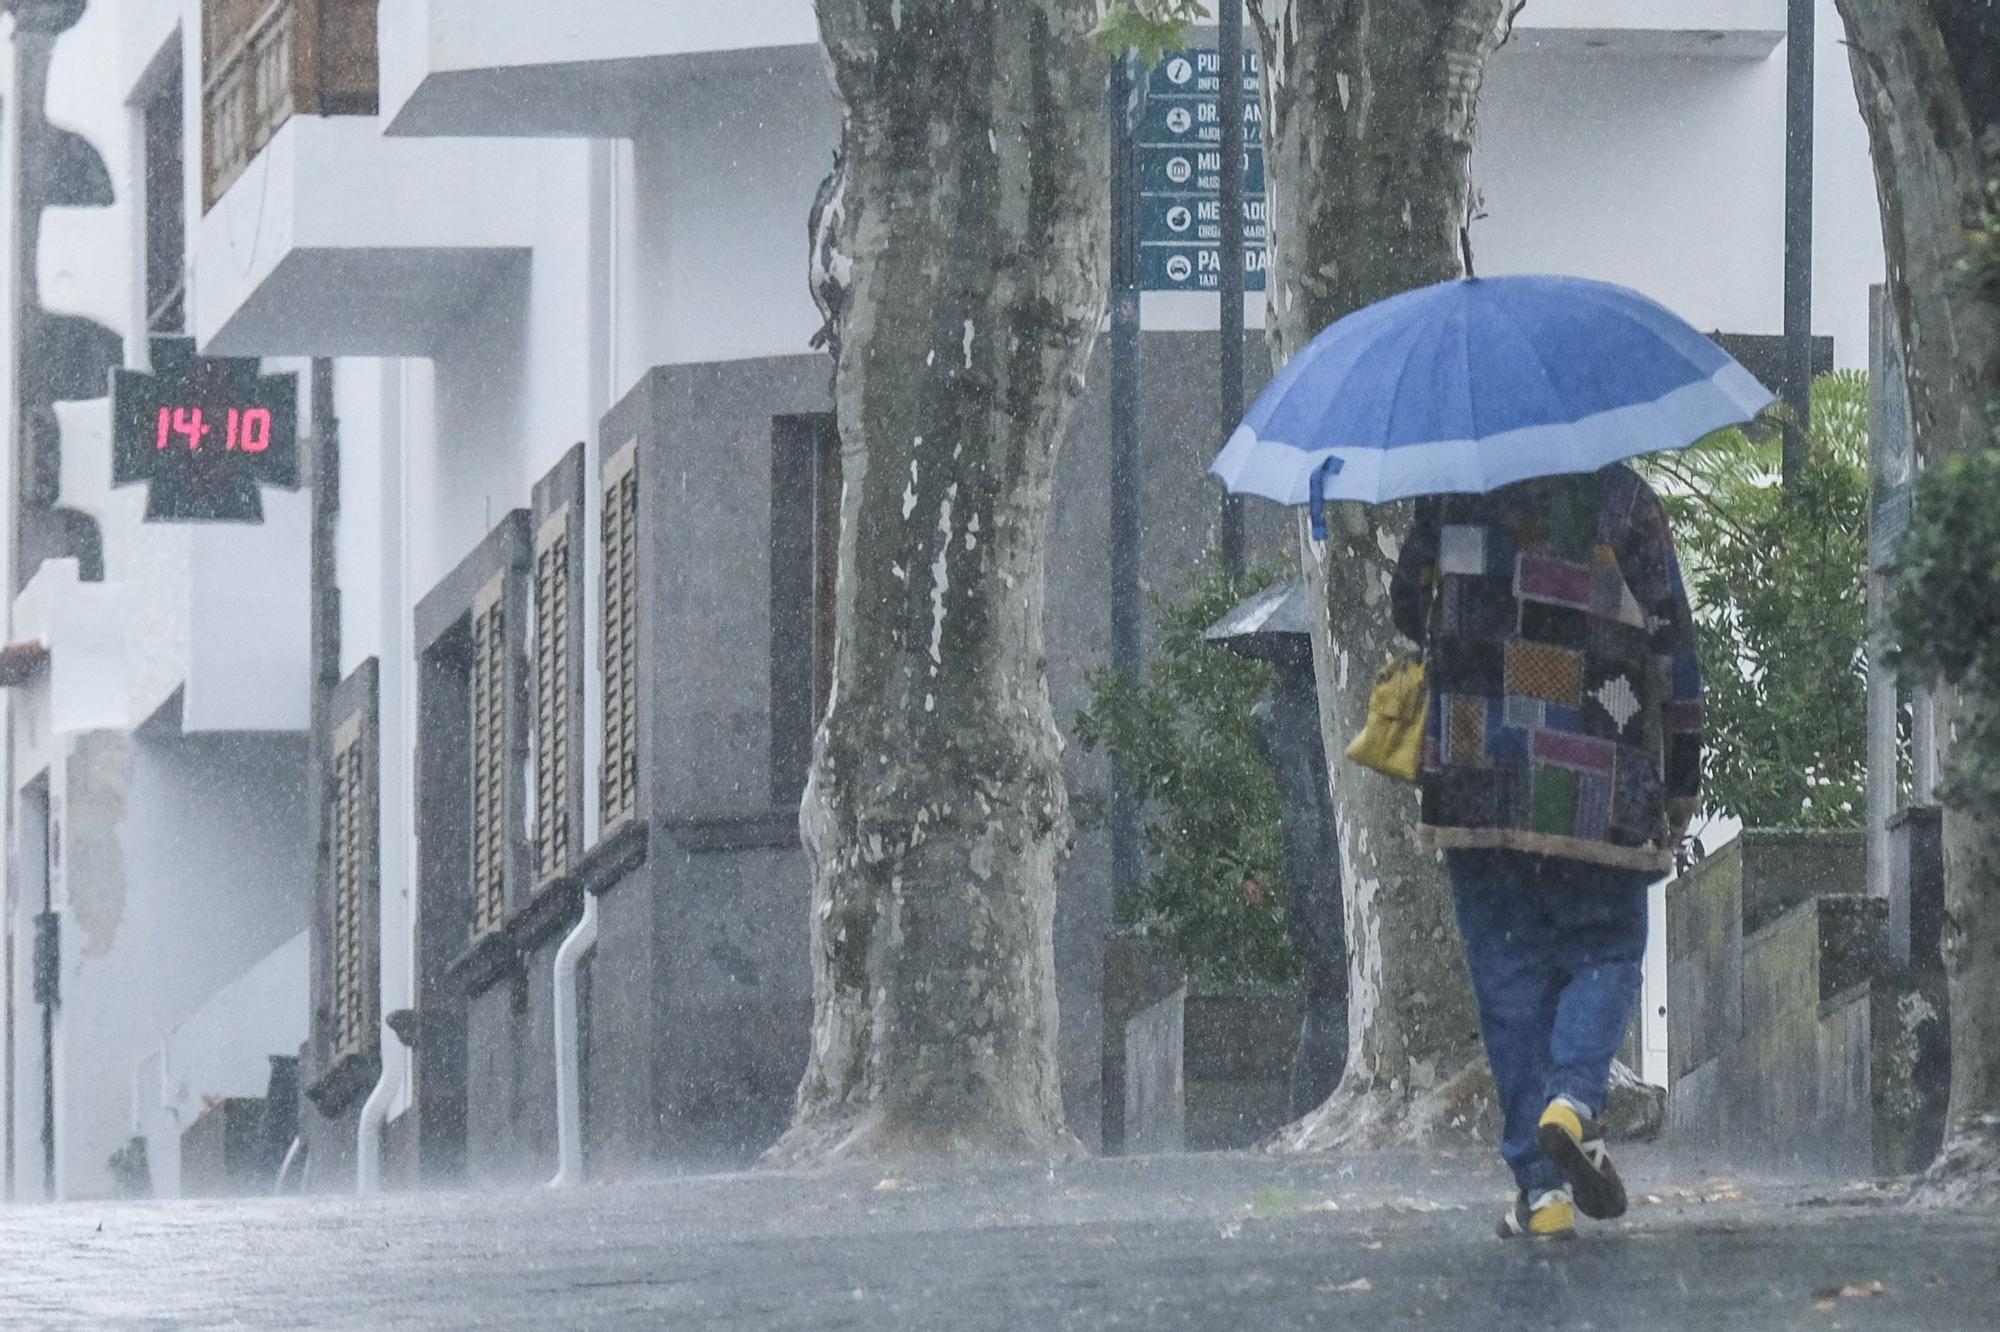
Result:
<point x="187" y="421"/>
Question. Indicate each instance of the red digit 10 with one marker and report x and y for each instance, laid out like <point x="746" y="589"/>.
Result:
<point x="249" y="430"/>
<point x="256" y="429"/>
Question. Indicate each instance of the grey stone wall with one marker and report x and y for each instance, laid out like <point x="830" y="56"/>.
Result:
<point x="1704" y="961"/>
<point x="1798" y="1040"/>
<point x="510" y="1042"/>
<point x="1239" y="1065"/>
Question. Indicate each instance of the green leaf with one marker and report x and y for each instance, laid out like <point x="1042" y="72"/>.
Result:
<point x="1151" y="28"/>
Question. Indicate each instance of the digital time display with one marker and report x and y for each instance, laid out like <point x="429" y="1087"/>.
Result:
<point x="204" y="434"/>
<point x="249" y="429"/>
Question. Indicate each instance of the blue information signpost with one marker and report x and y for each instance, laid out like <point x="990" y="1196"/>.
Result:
<point x="1180" y="170"/>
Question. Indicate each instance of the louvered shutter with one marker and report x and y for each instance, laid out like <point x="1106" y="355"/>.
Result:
<point x="619" y="791"/>
<point x="352" y="820"/>
<point x="489" y="758"/>
<point x="554" y="771"/>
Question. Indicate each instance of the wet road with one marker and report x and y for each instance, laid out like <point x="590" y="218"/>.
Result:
<point x="1188" y="1242"/>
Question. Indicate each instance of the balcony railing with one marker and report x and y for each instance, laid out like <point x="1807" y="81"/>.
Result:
<point x="264" y="61"/>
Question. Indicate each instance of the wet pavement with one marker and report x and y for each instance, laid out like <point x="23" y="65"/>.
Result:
<point x="1222" y="1241"/>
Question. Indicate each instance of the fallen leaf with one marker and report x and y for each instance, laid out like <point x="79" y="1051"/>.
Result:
<point x="893" y="1186"/>
<point x="1372" y="1244"/>
<point x="1272" y="1202"/>
<point x="1325" y="1205"/>
<point x="1824" y="1306"/>
<point x="1356" y="1286"/>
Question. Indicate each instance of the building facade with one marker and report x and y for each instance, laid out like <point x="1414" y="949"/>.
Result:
<point x="506" y="713"/>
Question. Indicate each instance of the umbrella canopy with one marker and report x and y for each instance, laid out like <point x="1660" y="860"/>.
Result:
<point x="1272" y="625"/>
<point x="1473" y="384"/>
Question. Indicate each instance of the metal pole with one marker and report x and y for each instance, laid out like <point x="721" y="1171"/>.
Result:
<point x="1229" y="60"/>
<point x="1798" y="230"/>
<point x="1124" y="516"/>
<point x="323" y="663"/>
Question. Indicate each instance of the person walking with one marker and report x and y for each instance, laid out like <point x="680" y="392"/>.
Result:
<point x="1561" y="766"/>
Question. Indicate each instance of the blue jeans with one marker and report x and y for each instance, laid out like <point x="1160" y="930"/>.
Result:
<point x="1555" y="947"/>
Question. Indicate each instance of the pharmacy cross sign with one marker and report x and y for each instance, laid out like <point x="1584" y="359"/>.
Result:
<point x="203" y="433"/>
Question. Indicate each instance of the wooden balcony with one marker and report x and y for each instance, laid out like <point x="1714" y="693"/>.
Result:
<point x="264" y="61"/>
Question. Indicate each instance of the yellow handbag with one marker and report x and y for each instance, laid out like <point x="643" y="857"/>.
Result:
<point x="1392" y="743"/>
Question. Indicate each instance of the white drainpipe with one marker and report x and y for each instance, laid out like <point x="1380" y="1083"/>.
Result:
<point x="368" y="1142"/>
<point x="569" y="1101"/>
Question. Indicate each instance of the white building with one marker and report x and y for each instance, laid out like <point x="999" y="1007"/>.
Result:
<point x="510" y="227"/>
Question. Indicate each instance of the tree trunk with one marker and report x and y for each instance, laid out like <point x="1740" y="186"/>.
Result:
<point x="1369" y="130"/>
<point x="1927" y="73"/>
<point x="970" y="228"/>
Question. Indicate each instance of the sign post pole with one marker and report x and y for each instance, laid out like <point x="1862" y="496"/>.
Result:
<point x="1798" y="232"/>
<point x="1128" y="92"/>
<point x="1229" y="53"/>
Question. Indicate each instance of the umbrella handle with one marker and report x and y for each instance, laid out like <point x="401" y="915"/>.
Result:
<point x="1316" y="496"/>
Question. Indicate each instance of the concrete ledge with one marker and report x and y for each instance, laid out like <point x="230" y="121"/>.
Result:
<point x="1239" y="1059"/>
<point x="1144" y="1037"/>
<point x="1853" y="943"/>
<point x="1783" y="867"/>
<point x="339" y="242"/>
<point x="590" y="68"/>
<point x="1705" y="960"/>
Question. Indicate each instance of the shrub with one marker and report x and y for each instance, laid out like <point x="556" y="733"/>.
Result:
<point x="1215" y="884"/>
<point x="1778" y="579"/>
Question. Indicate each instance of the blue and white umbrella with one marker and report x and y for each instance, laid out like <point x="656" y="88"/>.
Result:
<point x="1473" y="384"/>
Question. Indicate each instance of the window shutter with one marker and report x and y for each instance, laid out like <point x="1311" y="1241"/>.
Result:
<point x="489" y="758"/>
<point x="619" y="791"/>
<point x="352" y="817"/>
<point x="554" y="671"/>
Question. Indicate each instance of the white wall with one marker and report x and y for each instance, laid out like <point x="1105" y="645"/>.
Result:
<point x="222" y="1049"/>
<point x="1668" y="176"/>
<point x="207" y="870"/>
<point x="725" y="176"/>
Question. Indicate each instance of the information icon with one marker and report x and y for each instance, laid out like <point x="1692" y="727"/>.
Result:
<point x="1179" y="69"/>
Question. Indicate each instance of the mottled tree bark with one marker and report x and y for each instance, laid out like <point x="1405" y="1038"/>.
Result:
<point x="970" y="230"/>
<point x="1928" y="76"/>
<point x="1369" y="130"/>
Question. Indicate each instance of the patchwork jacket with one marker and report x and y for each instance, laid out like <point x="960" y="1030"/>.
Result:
<point x="1565" y="694"/>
